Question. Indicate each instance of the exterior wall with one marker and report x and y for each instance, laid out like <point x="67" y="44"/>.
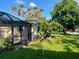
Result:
<point x="4" y="32"/>
<point x="17" y="37"/>
<point x="34" y="31"/>
<point x="25" y="33"/>
<point x="29" y="33"/>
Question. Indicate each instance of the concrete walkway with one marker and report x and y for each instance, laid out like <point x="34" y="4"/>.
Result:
<point x="72" y="33"/>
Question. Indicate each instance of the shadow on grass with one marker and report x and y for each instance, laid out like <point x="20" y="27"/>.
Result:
<point x="38" y="54"/>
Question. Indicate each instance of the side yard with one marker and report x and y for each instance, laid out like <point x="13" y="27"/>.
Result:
<point x="56" y="47"/>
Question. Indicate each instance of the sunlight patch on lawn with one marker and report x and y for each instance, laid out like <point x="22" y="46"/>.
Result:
<point x="57" y="43"/>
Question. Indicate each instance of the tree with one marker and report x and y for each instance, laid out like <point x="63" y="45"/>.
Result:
<point x="20" y="10"/>
<point x="34" y="13"/>
<point x="43" y="28"/>
<point x="47" y="28"/>
<point x="55" y="26"/>
<point x="66" y="12"/>
<point x="31" y="13"/>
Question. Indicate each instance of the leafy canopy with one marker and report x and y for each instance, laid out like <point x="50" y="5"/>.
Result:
<point x="47" y="28"/>
<point x="66" y="12"/>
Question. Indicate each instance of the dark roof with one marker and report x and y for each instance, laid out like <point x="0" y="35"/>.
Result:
<point x="7" y="19"/>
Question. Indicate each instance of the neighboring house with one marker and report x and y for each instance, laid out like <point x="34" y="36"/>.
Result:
<point x="17" y="29"/>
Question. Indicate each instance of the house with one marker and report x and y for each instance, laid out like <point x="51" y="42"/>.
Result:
<point x="16" y="29"/>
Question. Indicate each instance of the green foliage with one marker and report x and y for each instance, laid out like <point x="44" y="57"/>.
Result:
<point x="55" y="26"/>
<point x="47" y="28"/>
<point x="66" y="13"/>
<point x="6" y="45"/>
<point x="43" y="28"/>
<point x="1" y="45"/>
<point x="9" y="45"/>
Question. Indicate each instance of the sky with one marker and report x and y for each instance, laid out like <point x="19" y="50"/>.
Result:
<point x="46" y="5"/>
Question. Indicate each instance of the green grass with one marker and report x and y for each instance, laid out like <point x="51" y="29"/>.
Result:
<point x="65" y="43"/>
<point x="58" y="47"/>
<point x="37" y="54"/>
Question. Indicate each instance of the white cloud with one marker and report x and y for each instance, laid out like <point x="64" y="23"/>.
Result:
<point x="20" y="1"/>
<point x="32" y="4"/>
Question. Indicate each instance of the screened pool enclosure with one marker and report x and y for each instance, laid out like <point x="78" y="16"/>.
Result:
<point x="14" y="28"/>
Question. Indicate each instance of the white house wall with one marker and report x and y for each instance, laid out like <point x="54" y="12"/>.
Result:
<point x="34" y="31"/>
<point x="25" y="33"/>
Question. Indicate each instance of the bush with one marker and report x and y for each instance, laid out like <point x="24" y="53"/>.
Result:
<point x="43" y="28"/>
<point x="47" y="28"/>
<point x="1" y="45"/>
<point x="8" y="44"/>
<point x="55" y="26"/>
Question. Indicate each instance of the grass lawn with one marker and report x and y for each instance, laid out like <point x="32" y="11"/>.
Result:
<point x="58" y="47"/>
<point x="65" y="43"/>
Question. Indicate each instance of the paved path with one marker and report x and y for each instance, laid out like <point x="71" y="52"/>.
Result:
<point x="73" y="33"/>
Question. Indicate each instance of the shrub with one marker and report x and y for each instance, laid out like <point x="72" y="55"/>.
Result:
<point x="47" y="28"/>
<point x="1" y="45"/>
<point x="55" y="26"/>
<point x="8" y="44"/>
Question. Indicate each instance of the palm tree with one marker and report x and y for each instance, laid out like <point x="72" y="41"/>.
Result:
<point x="14" y="9"/>
<point x="32" y="13"/>
<point x="19" y="10"/>
<point x="35" y="13"/>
